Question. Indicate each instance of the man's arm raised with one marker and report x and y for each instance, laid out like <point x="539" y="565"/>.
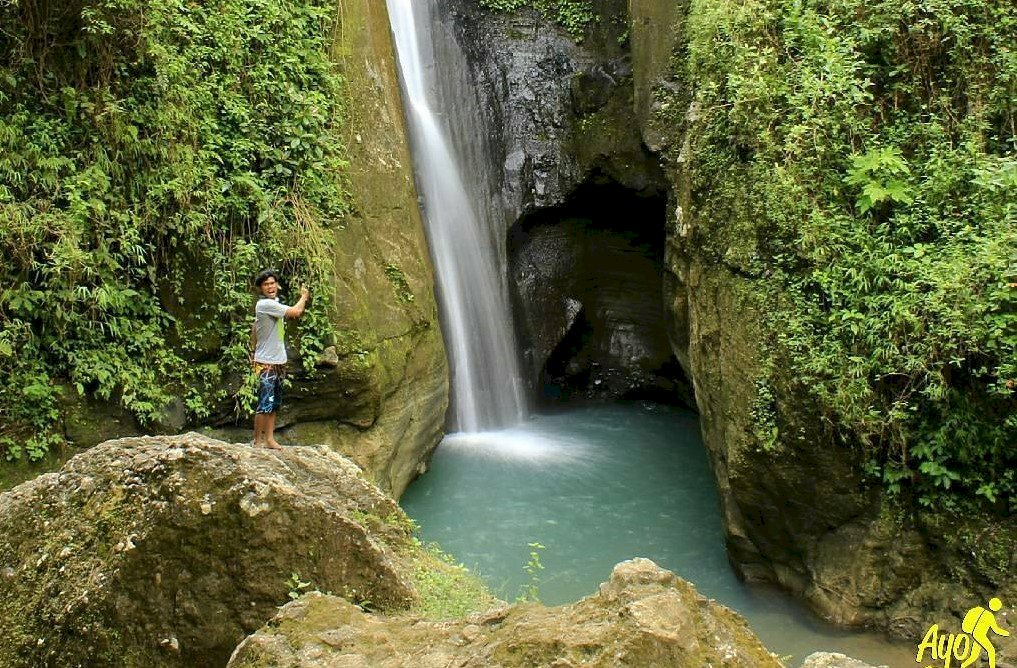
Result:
<point x="297" y="309"/>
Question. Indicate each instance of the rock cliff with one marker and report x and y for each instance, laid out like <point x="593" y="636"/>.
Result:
<point x="799" y="511"/>
<point x="384" y="404"/>
<point x="642" y="616"/>
<point x="832" y="660"/>
<point x="554" y="128"/>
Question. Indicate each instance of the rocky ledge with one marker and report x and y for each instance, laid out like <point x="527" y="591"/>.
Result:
<point x="168" y="551"/>
<point x="643" y="616"/>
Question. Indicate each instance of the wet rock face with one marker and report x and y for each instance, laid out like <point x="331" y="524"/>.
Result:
<point x="548" y="104"/>
<point x="643" y="616"/>
<point x="167" y="551"/>
<point x="557" y="142"/>
<point x="586" y="282"/>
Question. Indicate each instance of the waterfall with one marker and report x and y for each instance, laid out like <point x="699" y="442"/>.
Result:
<point x="486" y="382"/>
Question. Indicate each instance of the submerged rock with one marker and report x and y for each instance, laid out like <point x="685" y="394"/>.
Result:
<point x="643" y="616"/>
<point x="167" y="551"/>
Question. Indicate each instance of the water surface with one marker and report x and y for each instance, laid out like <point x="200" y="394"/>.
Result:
<point x="596" y="486"/>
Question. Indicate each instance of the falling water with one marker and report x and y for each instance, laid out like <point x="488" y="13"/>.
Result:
<point x="486" y="385"/>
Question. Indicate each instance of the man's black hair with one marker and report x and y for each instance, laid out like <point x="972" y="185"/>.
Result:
<point x="264" y="276"/>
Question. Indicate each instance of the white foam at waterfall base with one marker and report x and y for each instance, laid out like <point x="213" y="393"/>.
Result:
<point x="521" y="446"/>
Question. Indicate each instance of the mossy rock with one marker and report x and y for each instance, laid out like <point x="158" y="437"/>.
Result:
<point x="167" y="551"/>
<point x="643" y="616"/>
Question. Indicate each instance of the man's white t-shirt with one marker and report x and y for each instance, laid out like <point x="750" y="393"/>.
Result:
<point x="269" y="322"/>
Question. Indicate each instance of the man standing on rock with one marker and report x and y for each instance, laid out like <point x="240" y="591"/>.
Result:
<point x="270" y="353"/>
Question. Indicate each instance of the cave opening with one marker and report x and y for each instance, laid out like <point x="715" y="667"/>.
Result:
<point x="586" y="280"/>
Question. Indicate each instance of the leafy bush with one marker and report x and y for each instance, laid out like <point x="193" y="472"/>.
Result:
<point x="153" y="157"/>
<point x="858" y="158"/>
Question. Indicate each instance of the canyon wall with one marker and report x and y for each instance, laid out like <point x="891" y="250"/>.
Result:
<point x="800" y="506"/>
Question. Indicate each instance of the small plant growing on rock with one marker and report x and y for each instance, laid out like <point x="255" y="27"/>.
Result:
<point x="297" y="587"/>
<point x="572" y="15"/>
<point x="531" y="590"/>
<point x="448" y="589"/>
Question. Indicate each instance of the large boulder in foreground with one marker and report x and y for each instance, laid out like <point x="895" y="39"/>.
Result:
<point x="168" y="551"/>
<point x="643" y="616"/>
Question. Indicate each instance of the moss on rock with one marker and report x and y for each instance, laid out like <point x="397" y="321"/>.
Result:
<point x="166" y="551"/>
<point x="642" y="616"/>
<point x="853" y="466"/>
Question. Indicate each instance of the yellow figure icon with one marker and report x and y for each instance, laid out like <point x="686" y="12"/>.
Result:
<point x="978" y="622"/>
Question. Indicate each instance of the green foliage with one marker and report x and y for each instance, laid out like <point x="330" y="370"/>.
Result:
<point x="447" y="589"/>
<point x="531" y="590"/>
<point x="399" y="284"/>
<point x="575" y="16"/>
<point x="764" y="417"/>
<point x="858" y="159"/>
<point x="153" y="157"/>
<point x="879" y="175"/>
<point x="296" y="586"/>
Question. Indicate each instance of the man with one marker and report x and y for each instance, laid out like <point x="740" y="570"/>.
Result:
<point x="270" y="353"/>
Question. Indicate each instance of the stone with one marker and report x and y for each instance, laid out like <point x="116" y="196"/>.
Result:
<point x="642" y="616"/>
<point x="329" y="358"/>
<point x="833" y="660"/>
<point x="88" y="421"/>
<point x="167" y="551"/>
<point x="172" y="419"/>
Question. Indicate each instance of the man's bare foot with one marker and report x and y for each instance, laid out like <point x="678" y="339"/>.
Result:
<point x="272" y="445"/>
